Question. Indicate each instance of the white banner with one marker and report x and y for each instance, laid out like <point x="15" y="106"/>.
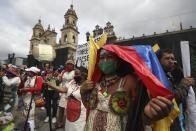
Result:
<point x="82" y="55"/>
<point x="191" y="102"/>
<point x="185" y="58"/>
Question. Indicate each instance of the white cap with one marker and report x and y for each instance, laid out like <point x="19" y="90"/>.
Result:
<point x="33" y="69"/>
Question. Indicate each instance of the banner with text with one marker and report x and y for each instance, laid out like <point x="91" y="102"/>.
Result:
<point x="82" y="55"/>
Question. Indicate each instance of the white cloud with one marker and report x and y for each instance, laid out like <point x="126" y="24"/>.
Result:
<point x="129" y="17"/>
<point x="13" y="40"/>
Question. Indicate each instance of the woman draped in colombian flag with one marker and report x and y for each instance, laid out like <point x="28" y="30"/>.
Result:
<point x="116" y="97"/>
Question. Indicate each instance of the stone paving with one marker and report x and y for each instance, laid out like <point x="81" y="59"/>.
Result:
<point x="39" y="121"/>
<point x="40" y="124"/>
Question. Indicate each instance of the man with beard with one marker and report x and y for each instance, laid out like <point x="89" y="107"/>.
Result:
<point x="180" y="84"/>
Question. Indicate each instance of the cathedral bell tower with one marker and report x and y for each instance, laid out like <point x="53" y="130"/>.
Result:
<point x="69" y="33"/>
<point x="38" y="31"/>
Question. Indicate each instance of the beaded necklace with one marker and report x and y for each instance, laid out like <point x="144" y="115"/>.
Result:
<point x="108" y="82"/>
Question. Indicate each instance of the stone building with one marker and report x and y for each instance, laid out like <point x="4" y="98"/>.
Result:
<point x="41" y="36"/>
<point x="66" y="49"/>
<point x="108" y="29"/>
<point x="66" y="46"/>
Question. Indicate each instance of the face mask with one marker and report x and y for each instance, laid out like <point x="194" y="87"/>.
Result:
<point x="108" y="67"/>
<point x="77" y="79"/>
<point x="69" y="67"/>
<point x="10" y="74"/>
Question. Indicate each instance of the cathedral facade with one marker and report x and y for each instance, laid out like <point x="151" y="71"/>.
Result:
<point x="65" y="48"/>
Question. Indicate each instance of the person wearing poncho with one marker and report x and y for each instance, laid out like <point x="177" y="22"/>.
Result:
<point x="119" y="101"/>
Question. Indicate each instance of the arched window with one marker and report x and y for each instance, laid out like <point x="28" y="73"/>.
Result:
<point x="74" y="39"/>
<point x="45" y="41"/>
<point x="67" y="21"/>
<point x="65" y="38"/>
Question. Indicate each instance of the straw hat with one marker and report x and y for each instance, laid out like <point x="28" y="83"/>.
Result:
<point x="69" y="62"/>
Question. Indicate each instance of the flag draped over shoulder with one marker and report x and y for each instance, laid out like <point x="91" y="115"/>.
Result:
<point x="151" y="60"/>
<point x="148" y="68"/>
<point x="153" y="63"/>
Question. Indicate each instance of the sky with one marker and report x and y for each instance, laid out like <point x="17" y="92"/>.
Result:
<point x="129" y="17"/>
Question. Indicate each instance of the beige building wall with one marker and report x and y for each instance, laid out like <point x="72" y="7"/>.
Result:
<point x="69" y="34"/>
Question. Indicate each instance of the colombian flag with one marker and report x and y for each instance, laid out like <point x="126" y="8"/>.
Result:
<point x="133" y="57"/>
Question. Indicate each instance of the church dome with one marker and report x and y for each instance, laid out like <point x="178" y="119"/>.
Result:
<point x="39" y="25"/>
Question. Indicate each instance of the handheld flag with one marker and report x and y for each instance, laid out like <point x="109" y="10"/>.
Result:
<point x="94" y="47"/>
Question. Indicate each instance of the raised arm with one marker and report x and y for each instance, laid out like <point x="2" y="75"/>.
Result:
<point x="58" y="88"/>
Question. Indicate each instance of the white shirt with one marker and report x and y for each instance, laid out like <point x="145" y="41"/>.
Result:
<point x="15" y="81"/>
<point x="66" y="78"/>
<point x="79" y="124"/>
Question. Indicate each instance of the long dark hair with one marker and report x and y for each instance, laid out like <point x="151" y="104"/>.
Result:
<point x="124" y="68"/>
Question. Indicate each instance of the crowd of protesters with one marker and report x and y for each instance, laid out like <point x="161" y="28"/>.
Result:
<point x="117" y="101"/>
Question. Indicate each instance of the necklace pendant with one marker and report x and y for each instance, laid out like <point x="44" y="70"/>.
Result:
<point x="105" y="94"/>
